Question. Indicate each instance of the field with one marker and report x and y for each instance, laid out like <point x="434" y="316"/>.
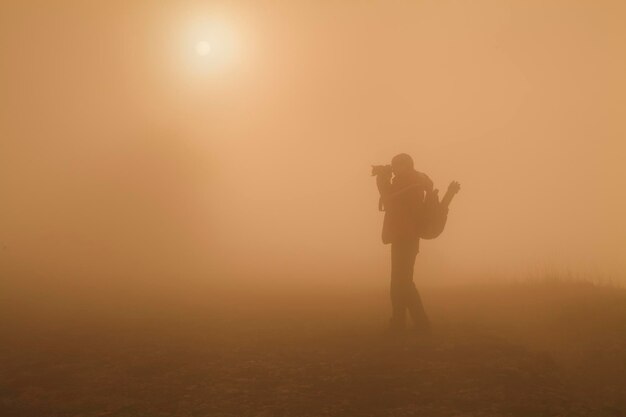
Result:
<point x="544" y="348"/>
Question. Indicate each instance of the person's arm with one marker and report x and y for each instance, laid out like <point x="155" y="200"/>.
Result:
<point x="383" y="182"/>
<point x="453" y="189"/>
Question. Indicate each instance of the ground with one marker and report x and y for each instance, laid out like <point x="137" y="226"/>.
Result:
<point x="525" y="349"/>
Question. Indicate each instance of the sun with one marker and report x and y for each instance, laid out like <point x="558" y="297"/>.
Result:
<point x="203" y="48"/>
<point x="207" y="46"/>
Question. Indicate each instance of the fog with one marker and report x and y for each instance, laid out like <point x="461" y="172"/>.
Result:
<point x="127" y="159"/>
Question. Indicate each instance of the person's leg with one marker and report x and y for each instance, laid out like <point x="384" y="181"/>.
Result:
<point x="413" y="299"/>
<point x="417" y="312"/>
<point x="398" y="290"/>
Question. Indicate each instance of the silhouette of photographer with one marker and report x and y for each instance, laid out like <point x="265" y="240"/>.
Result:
<point x="412" y="211"/>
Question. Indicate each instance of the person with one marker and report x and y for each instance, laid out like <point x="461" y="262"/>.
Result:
<point x="402" y="199"/>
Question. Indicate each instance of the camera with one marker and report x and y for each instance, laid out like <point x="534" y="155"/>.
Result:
<point x="381" y="170"/>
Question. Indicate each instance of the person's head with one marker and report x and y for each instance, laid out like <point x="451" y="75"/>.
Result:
<point x="402" y="164"/>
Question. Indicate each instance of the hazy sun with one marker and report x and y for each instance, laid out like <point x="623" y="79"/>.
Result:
<point x="203" y="48"/>
<point x="207" y="46"/>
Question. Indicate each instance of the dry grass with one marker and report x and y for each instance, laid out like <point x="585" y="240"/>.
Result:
<point x="545" y="348"/>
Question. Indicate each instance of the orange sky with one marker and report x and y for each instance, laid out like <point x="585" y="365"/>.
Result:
<point x="124" y="157"/>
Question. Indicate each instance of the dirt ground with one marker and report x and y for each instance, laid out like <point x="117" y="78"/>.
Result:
<point x="528" y="349"/>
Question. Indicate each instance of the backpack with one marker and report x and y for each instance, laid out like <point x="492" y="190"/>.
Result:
<point x="432" y="217"/>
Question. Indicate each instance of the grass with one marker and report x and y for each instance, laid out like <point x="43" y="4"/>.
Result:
<point x="535" y="348"/>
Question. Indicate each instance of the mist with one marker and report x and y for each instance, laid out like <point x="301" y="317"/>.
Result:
<point x="125" y="160"/>
<point x="189" y="224"/>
